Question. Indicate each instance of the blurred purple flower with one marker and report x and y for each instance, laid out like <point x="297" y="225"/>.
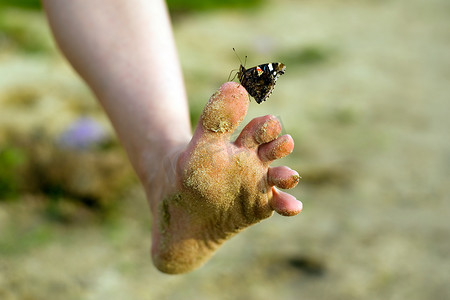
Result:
<point x="82" y="134"/>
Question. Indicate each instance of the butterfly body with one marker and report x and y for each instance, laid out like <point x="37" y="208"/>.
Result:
<point x="260" y="80"/>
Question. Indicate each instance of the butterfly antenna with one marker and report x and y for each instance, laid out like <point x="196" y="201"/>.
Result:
<point x="240" y="58"/>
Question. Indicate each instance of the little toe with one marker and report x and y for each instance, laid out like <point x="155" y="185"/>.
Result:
<point x="282" y="177"/>
<point x="276" y="149"/>
<point x="225" y="109"/>
<point x="259" y="131"/>
<point x="284" y="203"/>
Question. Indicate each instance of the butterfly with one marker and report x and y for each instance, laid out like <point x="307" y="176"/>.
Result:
<point x="260" y="81"/>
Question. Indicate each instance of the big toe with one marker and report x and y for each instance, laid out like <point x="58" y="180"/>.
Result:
<point x="225" y="109"/>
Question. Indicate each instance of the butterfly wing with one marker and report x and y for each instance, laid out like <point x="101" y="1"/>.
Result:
<point x="260" y="81"/>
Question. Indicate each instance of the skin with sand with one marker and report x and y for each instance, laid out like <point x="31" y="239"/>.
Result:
<point x="213" y="188"/>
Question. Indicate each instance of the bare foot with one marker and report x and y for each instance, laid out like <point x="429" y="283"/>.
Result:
<point x="212" y="188"/>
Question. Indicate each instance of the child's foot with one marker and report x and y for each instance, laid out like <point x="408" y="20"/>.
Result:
<point x="213" y="188"/>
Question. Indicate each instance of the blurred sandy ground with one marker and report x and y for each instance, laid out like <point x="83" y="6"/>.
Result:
<point x="366" y="98"/>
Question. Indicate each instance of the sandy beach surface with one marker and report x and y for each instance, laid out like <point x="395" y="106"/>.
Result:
<point x="365" y="97"/>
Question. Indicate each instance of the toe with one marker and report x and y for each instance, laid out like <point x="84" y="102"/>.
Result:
<point x="282" y="177"/>
<point x="259" y="131"/>
<point x="225" y="110"/>
<point x="284" y="203"/>
<point x="276" y="149"/>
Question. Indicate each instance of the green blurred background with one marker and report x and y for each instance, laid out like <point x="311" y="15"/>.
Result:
<point x="365" y="97"/>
